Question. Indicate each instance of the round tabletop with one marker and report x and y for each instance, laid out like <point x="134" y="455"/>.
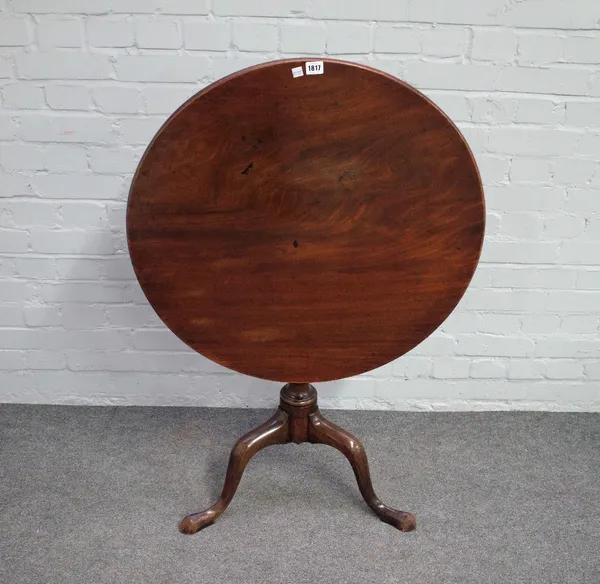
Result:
<point x="305" y="222"/>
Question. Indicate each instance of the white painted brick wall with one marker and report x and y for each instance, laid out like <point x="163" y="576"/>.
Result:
<point x="84" y="85"/>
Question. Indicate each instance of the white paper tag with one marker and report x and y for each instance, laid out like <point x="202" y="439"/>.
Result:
<point x="314" y="68"/>
<point x="297" y="72"/>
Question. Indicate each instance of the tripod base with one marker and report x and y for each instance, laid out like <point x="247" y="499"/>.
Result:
<point x="298" y="420"/>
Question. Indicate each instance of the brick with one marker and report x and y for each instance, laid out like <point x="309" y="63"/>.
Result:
<point x="42" y="316"/>
<point x="573" y="172"/>
<point x="497" y="45"/>
<point x="444" y="42"/>
<point x="42" y="128"/>
<point x="207" y="36"/>
<point x="538" y="142"/>
<point x="531" y="170"/>
<point x="535" y="49"/>
<point x="7" y="127"/>
<point x="83" y="214"/>
<point x="20" y="386"/>
<point x="118" y="268"/>
<point x="564" y="227"/>
<point x="14" y="185"/>
<point x="63" y="65"/>
<point x="579" y="324"/>
<point x="65" y="158"/>
<point x="451" y="368"/>
<point x="131" y="316"/>
<point x="493" y="346"/>
<point x="22" y="96"/>
<point x="454" y="106"/>
<point x="61" y="6"/>
<point x="22" y="157"/>
<point x="12" y="360"/>
<point x="397" y="39"/>
<point x="6" y="66"/>
<point x="582" y="201"/>
<point x="103" y="32"/>
<point x="14" y="241"/>
<point x="500" y="323"/>
<point x="434" y="346"/>
<point x="161" y="6"/>
<point x="588" y="280"/>
<point x="457" y="12"/>
<point x="592" y="228"/>
<point x="158" y="34"/>
<point x="522" y="226"/>
<point x="462" y="322"/>
<point x="32" y="213"/>
<point x="555" y="278"/>
<point x="573" y="301"/>
<point x="53" y="32"/>
<point x="166" y="99"/>
<point x="78" y="268"/>
<point x="583" y="114"/>
<point x="14" y="32"/>
<point x="14" y="338"/>
<point x="588" y="145"/>
<point x="451" y="75"/>
<point x="592" y="370"/>
<point x="35" y="268"/>
<point x="183" y="7"/>
<point x="139" y="130"/>
<point x="71" y="242"/>
<point x="68" y="97"/>
<point x="303" y="37"/>
<point x="251" y="36"/>
<point x="525" y="198"/>
<point x="117" y="99"/>
<point x="176" y="68"/>
<point x="488" y="369"/>
<point x="494" y="170"/>
<point x="40" y="360"/>
<point x="555" y="14"/>
<point x="573" y="348"/>
<point x="539" y="324"/>
<point x="226" y="65"/>
<point x="12" y="290"/>
<point x="580" y="48"/>
<point x="81" y="385"/>
<point x="411" y="367"/>
<point x="558" y="369"/>
<point x="539" y="111"/>
<point x="557" y="80"/>
<point x="520" y="252"/>
<point x="116" y="161"/>
<point x="507" y="300"/>
<point x="525" y="369"/>
<point x="157" y="340"/>
<point x="54" y="186"/>
<point x="270" y="8"/>
<point x="348" y="38"/>
<point x="493" y="110"/>
<point x="11" y="315"/>
<point x="82" y="292"/>
<point x="580" y="252"/>
<point x="81" y="316"/>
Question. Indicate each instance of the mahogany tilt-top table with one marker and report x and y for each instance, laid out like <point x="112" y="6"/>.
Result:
<point x="301" y="222"/>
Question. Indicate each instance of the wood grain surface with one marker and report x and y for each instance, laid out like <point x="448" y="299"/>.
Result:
<point x="305" y="229"/>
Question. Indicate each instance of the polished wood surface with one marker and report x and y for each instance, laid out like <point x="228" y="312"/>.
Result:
<point x="305" y="229"/>
<point x="298" y="420"/>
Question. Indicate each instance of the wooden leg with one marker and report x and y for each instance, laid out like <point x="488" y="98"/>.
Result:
<point x="322" y="431"/>
<point x="298" y="419"/>
<point x="273" y="431"/>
